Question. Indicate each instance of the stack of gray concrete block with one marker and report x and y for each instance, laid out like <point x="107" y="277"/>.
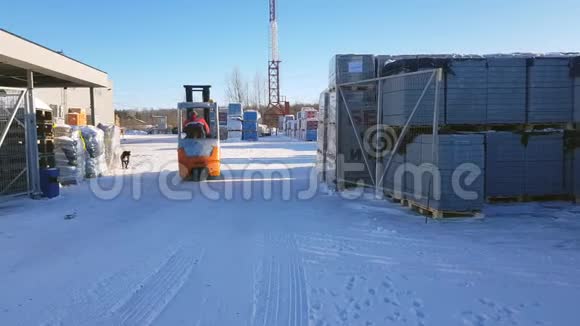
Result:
<point x="527" y="164"/>
<point x="504" y="114"/>
<point x="348" y="118"/>
<point x="438" y="184"/>
<point x="506" y="90"/>
<point x="401" y="95"/>
<point x="347" y="68"/>
<point x="491" y="90"/>
<point x="466" y="91"/>
<point x="550" y="90"/>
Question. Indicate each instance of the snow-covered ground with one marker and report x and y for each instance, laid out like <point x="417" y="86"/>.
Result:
<point x="142" y="249"/>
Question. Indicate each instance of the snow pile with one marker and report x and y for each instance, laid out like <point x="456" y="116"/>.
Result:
<point x="96" y="163"/>
<point x="69" y="154"/>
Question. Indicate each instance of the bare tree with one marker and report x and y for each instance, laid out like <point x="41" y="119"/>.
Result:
<point x="259" y="91"/>
<point x="236" y="87"/>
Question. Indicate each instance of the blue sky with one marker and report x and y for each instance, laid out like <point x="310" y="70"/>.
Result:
<point x="151" y="48"/>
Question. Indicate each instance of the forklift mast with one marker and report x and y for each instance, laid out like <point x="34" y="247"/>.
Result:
<point x="204" y="90"/>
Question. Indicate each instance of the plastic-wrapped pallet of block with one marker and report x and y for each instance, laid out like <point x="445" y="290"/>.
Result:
<point x="506" y="89"/>
<point x="96" y="163"/>
<point x="234" y="135"/>
<point x="253" y="116"/>
<point x="346" y="68"/>
<point x="311" y="135"/>
<point x="550" y="93"/>
<point x="249" y="135"/>
<point x="234" y="124"/>
<point x="466" y="94"/>
<point x="69" y="154"/>
<point x="461" y="166"/>
<point x="235" y="109"/>
<point x="112" y="139"/>
<point x="249" y="126"/>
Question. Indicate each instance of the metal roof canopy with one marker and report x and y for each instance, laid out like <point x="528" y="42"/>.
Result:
<point x="51" y="69"/>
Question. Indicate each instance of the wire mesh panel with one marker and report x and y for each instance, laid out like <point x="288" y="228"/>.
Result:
<point x="13" y="176"/>
<point x="410" y="104"/>
<point x="322" y="140"/>
<point x="357" y="117"/>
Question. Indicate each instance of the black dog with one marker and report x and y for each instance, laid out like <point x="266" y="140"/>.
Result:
<point x="125" y="159"/>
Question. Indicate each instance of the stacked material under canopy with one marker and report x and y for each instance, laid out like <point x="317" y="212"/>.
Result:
<point x="69" y="154"/>
<point x="96" y="162"/>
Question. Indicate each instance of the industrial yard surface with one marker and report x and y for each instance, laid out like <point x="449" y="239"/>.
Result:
<point x="137" y="249"/>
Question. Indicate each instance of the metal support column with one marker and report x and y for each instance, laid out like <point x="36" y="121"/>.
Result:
<point x="32" y="141"/>
<point x="378" y="155"/>
<point x="92" y="104"/>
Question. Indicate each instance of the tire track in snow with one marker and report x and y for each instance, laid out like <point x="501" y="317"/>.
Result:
<point x="283" y="299"/>
<point x="97" y="304"/>
<point x="151" y="297"/>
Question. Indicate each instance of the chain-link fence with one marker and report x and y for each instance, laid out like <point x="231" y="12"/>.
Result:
<point x="13" y="168"/>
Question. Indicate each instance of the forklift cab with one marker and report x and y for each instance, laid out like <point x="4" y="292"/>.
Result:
<point x="198" y="151"/>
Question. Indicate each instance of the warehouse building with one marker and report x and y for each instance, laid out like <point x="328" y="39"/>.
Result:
<point x="32" y="74"/>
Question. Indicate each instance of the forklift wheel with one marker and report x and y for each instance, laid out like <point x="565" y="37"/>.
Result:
<point x="199" y="174"/>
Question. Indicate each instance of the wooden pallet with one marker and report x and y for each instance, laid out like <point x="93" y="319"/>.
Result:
<point x="436" y="213"/>
<point x="393" y="197"/>
<point x="358" y="88"/>
<point x="540" y="126"/>
<point x="526" y="199"/>
<point x="527" y="127"/>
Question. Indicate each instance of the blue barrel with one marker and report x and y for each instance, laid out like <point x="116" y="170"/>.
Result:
<point x="49" y="182"/>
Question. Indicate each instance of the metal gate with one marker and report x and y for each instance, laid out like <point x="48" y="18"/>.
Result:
<point x="13" y="164"/>
<point x="380" y="113"/>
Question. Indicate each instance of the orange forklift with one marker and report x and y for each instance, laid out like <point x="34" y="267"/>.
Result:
<point x="198" y="133"/>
